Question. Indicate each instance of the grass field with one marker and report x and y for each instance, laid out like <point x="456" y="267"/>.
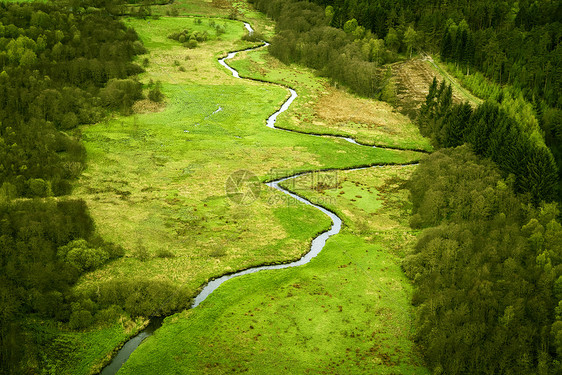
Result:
<point x="323" y="109"/>
<point x="156" y="180"/>
<point x="347" y="311"/>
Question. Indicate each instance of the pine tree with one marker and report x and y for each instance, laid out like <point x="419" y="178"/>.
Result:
<point x="447" y="46"/>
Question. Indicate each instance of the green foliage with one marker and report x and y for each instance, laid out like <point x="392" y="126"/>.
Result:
<point x="138" y="297"/>
<point x="508" y="51"/>
<point x="141" y="253"/>
<point x="54" y="64"/>
<point x="349" y="57"/>
<point x="189" y="38"/>
<point x="492" y="133"/>
<point x="155" y="94"/>
<point x="44" y="251"/>
<point x="121" y="93"/>
<point x="485" y="271"/>
<point x="82" y="256"/>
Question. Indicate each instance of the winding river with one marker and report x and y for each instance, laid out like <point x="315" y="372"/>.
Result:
<point x="316" y="246"/>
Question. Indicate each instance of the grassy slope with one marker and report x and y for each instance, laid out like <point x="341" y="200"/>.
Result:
<point x="326" y="110"/>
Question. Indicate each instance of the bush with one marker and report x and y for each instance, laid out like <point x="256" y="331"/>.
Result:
<point x="155" y="94"/>
<point x="79" y="254"/>
<point x="141" y="253"/>
<point x="80" y="319"/>
<point x="120" y="93"/>
<point x="165" y="253"/>
<point x="39" y="188"/>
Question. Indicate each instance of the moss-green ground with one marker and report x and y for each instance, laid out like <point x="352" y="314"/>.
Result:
<point x="158" y="179"/>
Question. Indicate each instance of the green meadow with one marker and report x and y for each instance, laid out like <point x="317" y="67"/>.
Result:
<point x="157" y="180"/>
<point x="323" y="109"/>
<point x="347" y="311"/>
<point x="156" y="183"/>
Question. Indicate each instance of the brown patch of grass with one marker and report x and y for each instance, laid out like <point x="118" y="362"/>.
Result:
<point x="413" y="78"/>
<point x="338" y="106"/>
<point x="147" y="106"/>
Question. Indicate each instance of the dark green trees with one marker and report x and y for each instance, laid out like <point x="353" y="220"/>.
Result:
<point x="492" y="133"/>
<point x="485" y="272"/>
<point x="54" y="65"/>
<point x="155" y="94"/>
<point x="350" y="56"/>
<point x="54" y="68"/>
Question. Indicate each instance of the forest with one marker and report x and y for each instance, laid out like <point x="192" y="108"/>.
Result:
<point x="59" y="68"/>
<point x="486" y="270"/>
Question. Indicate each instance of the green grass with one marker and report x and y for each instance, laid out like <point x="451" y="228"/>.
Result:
<point x="320" y="108"/>
<point x="157" y="179"/>
<point x="365" y="199"/>
<point x="205" y="8"/>
<point x="347" y="311"/>
<point x="76" y="353"/>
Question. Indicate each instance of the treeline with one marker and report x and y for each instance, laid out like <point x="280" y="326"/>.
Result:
<point x="351" y="57"/>
<point x="516" y="42"/>
<point x="510" y="42"/>
<point x="487" y="271"/>
<point x="59" y="68"/>
<point x="46" y="246"/>
<point x="492" y="133"/>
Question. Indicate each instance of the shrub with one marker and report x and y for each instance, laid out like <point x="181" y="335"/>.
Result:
<point x="155" y="94"/>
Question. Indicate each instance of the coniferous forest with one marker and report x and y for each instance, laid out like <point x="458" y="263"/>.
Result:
<point x="487" y="264"/>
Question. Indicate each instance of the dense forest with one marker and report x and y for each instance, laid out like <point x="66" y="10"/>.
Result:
<point x="60" y="67"/>
<point x="487" y="270"/>
<point x="492" y="133"/>
<point x="515" y="43"/>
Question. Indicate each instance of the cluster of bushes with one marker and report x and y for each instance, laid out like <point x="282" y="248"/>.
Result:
<point x="518" y="150"/>
<point x="351" y="57"/>
<point x="46" y="246"/>
<point x="189" y="38"/>
<point x="487" y="270"/>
